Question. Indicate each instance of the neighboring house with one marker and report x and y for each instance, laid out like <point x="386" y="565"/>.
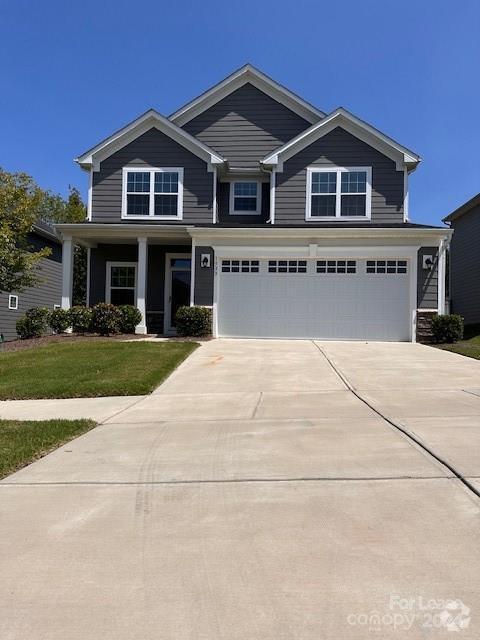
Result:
<point x="465" y="260"/>
<point x="48" y="293"/>
<point x="289" y="222"/>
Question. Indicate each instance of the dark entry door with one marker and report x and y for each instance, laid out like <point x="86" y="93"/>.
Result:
<point x="180" y="269"/>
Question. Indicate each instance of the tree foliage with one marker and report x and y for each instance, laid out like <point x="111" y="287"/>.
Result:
<point x="20" y="198"/>
<point x="22" y="203"/>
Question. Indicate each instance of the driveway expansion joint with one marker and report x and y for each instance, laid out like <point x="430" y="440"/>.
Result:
<point x="397" y="425"/>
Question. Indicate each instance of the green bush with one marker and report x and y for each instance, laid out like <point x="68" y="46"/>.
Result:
<point x="448" y="328"/>
<point x="34" y="323"/>
<point x="130" y="316"/>
<point x="59" y="320"/>
<point x="193" y="321"/>
<point x="80" y="319"/>
<point x="105" y="319"/>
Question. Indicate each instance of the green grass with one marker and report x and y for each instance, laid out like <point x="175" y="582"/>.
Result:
<point x="88" y="369"/>
<point x="469" y="346"/>
<point x="24" y="442"/>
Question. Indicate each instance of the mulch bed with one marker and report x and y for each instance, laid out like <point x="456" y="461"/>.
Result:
<point x="17" y="345"/>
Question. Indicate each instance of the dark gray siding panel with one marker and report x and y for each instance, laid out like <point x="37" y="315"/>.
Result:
<point x="427" y="280"/>
<point x="155" y="275"/>
<point x="223" y="203"/>
<point x="153" y="149"/>
<point x="339" y="148"/>
<point x="47" y="294"/>
<point x="204" y="278"/>
<point x="465" y="266"/>
<point x="246" y="125"/>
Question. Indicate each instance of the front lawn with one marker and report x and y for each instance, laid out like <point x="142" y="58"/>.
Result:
<point x="469" y="346"/>
<point x="23" y="442"/>
<point x="89" y="369"/>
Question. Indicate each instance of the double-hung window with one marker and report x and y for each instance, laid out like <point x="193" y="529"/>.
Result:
<point x="339" y="192"/>
<point x="152" y="193"/>
<point x="245" y="198"/>
<point x="121" y="284"/>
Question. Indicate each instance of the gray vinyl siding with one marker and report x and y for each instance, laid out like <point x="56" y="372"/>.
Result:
<point x="465" y="266"/>
<point x="47" y="294"/>
<point x="223" y="203"/>
<point x="245" y="126"/>
<point x="153" y="149"/>
<point x="427" y="280"/>
<point x="339" y="148"/>
<point x="203" y="294"/>
<point x="155" y="275"/>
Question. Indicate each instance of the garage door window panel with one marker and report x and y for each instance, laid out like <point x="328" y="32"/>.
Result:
<point x="240" y="266"/>
<point x="337" y="266"/>
<point x="386" y="267"/>
<point x="287" y="266"/>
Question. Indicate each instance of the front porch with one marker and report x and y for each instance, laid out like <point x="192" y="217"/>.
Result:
<point x="150" y="268"/>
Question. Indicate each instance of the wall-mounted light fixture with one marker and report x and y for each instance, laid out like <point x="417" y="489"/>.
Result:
<point x="205" y="260"/>
<point x="427" y="262"/>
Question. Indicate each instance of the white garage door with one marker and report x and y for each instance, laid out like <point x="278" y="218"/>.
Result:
<point x="332" y="299"/>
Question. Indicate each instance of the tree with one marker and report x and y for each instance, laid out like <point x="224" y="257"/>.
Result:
<point x="20" y="198"/>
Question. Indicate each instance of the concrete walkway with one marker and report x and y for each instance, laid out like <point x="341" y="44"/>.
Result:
<point x="255" y="496"/>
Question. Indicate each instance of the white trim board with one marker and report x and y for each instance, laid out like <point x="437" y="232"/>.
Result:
<point x="246" y="74"/>
<point x="150" y="119"/>
<point x="357" y="127"/>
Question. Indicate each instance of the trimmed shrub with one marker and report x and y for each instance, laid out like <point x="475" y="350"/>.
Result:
<point x="34" y="323"/>
<point x="448" y="328"/>
<point x="193" y="321"/>
<point x="105" y="319"/>
<point x="130" y="316"/>
<point x="80" y="319"/>
<point x="59" y="320"/>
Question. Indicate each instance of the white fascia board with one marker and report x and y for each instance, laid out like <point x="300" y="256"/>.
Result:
<point x="358" y="128"/>
<point x="89" y="234"/>
<point x="151" y="118"/>
<point x="244" y="75"/>
<point x="215" y="236"/>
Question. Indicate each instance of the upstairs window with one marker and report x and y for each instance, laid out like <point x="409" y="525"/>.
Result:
<point x="334" y="193"/>
<point x="245" y="198"/>
<point x="152" y="193"/>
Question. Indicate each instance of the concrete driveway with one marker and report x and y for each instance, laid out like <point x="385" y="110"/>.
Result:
<point x="257" y="495"/>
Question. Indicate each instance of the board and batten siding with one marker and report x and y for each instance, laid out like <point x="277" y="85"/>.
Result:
<point x="427" y="280"/>
<point x="153" y="149"/>
<point x="48" y="293"/>
<point x="339" y="149"/>
<point x="245" y="126"/>
<point x="203" y="293"/>
<point x="465" y="266"/>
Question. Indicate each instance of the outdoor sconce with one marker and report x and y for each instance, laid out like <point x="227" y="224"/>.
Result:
<point x="205" y="260"/>
<point x="427" y="262"/>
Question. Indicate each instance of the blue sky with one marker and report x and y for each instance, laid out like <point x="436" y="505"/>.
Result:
<point x="72" y="73"/>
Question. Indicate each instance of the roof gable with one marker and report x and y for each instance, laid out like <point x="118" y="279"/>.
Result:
<point x="464" y="208"/>
<point x="150" y="119"/>
<point x="244" y="75"/>
<point x="358" y="128"/>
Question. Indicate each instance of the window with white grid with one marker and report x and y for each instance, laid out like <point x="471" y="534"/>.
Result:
<point x="386" y="266"/>
<point x="336" y="266"/>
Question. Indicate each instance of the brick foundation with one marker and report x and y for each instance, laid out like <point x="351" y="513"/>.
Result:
<point x="424" y="324"/>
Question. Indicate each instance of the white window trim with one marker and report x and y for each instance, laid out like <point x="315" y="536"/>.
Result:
<point x="108" y="280"/>
<point x="258" y="210"/>
<point x="152" y="171"/>
<point x="338" y="194"/>
<point x="13" y="302"/>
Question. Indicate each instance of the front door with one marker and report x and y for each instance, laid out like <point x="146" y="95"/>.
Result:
<point x="177" y="286"/>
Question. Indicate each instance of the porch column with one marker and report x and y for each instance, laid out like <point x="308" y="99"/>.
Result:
<point x="67" y="272"/>
<point x="142" y="283"/>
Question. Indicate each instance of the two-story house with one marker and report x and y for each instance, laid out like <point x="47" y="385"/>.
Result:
<point x="288" y="222"/>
